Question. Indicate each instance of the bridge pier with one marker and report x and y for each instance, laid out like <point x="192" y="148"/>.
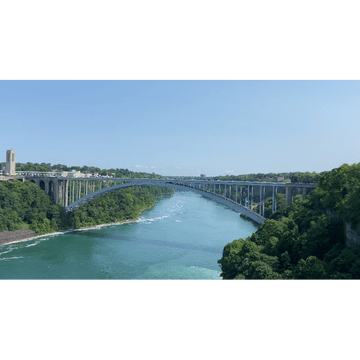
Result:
<point x="66" y="193"/>
<point x="46" y="187"/>
<point x="288" y="195"/>
<point x="252" y="197"/>
<point x="263" y="204"/>
<point x="56" y="191"/>
<point x="73" y="190"/>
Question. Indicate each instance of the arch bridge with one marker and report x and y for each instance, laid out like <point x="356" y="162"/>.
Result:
<point x="241" y="196"/>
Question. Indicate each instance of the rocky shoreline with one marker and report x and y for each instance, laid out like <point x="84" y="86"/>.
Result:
<point x="16" y="235"/>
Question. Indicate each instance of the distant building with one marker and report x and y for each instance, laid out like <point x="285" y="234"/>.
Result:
<point x="202" y="176"/>
<point x="280" y="179"/>
<point x="75" y="174"/>
<point x="10" y="162"/>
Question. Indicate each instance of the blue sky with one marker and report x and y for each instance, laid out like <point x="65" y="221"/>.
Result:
<point x="183" y="127"/>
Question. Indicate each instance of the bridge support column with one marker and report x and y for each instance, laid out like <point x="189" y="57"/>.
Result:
<point x="63" y="193"/>
<point x="260" y="202"/>
<point x="66" y="193"/>
<point x="56" y="191"/>
<point x="304" y="193"/>
<point x="252" y="197"/>
<point x="248" y="204"/>
<point x="263" y="204"/>
<point x="47" y="192"/>
<point x="288" y="195"/>
<point x="236" y="195"/>
<point x="60" y="192"/>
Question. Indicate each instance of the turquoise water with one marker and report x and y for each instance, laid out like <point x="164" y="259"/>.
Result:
<point x="181" y="237"/>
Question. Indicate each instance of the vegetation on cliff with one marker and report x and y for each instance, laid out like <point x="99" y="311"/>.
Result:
<point x="118" y="205"/>
<point x="26" y="205"/>
<point x="305" y="240"/>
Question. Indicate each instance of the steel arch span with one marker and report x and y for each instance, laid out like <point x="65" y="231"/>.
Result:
<point x="181" y="187"/>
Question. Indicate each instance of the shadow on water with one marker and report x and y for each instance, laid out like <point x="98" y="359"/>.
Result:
<point x="149" y="241"/>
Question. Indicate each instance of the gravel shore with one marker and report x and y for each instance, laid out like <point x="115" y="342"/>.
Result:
<point x="16" y="235"/>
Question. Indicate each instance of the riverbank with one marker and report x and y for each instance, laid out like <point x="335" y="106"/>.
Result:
<point x="249" y="219"/>
<point x="24" y="234"/>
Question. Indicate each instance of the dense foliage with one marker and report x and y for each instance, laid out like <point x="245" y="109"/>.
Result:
<point x="26" y="205"/>
<point x="118" y="205"/>
<point x="305" y="240"/>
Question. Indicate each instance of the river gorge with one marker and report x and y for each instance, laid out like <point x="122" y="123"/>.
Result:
<point x="181" y="237"/>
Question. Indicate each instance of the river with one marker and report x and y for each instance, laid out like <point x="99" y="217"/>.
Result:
<point x="181" y="237"/>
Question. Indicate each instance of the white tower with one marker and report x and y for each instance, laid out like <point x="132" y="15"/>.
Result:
<point x="10" y="162"/>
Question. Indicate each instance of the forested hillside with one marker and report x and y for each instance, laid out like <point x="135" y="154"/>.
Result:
<point x="26" y="205"/>
<point x="118" y="205"/>
<point x="305" y="240"/>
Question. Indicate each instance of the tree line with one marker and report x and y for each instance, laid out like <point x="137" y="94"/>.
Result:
<point x="293" y="177"/>
<point x="47" y="167"/>
<point x="24" y="204"/>
<point x="305" y="240"/>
